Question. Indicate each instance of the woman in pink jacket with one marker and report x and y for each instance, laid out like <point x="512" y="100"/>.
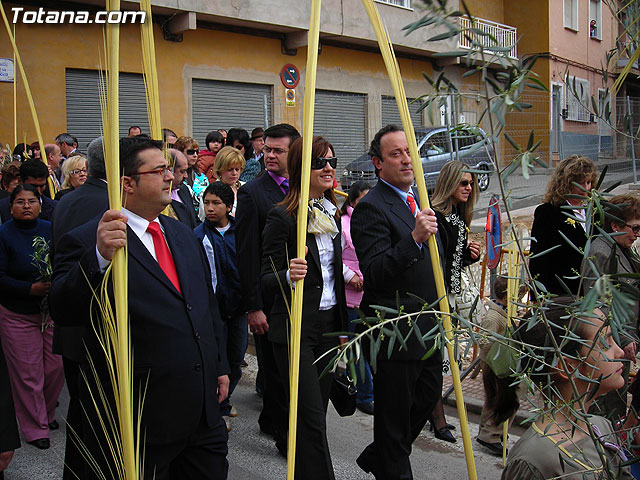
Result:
<point x="353" y="288"/>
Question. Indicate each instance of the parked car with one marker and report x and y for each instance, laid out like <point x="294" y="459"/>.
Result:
<point x="436" y="146"/>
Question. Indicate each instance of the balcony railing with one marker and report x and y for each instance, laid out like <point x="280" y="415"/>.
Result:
<point x="505" y="35"/>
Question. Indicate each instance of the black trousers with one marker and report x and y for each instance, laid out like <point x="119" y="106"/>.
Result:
<point x="73" y="458"/>
<point x="313" y="460"/>
<point x="405" y="393"/>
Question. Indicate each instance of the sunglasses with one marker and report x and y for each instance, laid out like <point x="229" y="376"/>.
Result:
<point x="634" y="228"/>
<point x="320" y="162"/>
<point x="466" y="183"/>
<point x="191" y="151"/>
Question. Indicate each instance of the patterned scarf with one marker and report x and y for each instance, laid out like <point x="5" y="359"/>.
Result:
<point x="320" y="220"/>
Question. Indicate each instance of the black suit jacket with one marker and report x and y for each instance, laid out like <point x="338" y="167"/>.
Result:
<point x="9" y="437"/>
<point x="393" y="265"/>
<point x="255" y="200"/>
<point x="46" y="213"/>
<point x="280" y="239"/>
<point x="76" y="208"/>
<point x="564" y="261"/>
<point x="185" y="213"/>
<point x="176" y="337"/>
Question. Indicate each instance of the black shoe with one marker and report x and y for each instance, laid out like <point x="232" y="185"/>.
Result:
<point x="41" y="443"/>
<point x="365" y="465"/>
<point x="448" y="426"/>
<point x="54" y="425"/>
<point x="494" y="448"/>
<point x="366" y="407"/>
<point x="445" y="434"/>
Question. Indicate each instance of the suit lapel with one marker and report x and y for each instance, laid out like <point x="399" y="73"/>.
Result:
<point x="398" y="207"/>
<point x="177" y="245"/>
<point x="272" y="190"/>
<point x="314" y="253"/>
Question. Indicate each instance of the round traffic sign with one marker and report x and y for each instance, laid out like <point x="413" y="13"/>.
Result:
<point x="289" y="76"/>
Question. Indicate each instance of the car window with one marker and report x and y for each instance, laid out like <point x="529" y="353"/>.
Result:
<point x="436" y="144"/>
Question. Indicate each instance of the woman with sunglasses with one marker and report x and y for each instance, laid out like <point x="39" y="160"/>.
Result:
<point x="324" y="306"/>
<point x="453" y="200"/>
<point x="196" y="182"/>
<point x="624" y="230"/>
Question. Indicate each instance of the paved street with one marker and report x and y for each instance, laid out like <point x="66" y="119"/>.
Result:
<point x="253" y="455"/>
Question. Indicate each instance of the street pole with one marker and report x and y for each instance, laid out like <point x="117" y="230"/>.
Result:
<point x="633" y="148"/>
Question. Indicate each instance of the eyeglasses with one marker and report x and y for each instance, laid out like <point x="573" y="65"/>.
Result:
<point x="276" y="151"/>
<point x="320" y="162"/>
<point x="191" y="151"/>
<point x="466" y="183"/>
<point x="21" y="203"/>
<point x="78" y="171"/>
<point x="634" y="228"/>
<point x="156" y="171"/>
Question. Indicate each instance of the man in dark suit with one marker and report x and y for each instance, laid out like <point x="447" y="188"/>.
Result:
<point x="389" y="234"/>
<point x="181" y="204"/>
<point x="255" y="199"/>
<point x="77" y="208"/>
<point x="179" y="362"/>
<point x="35" y="173"/>
<point x="9" y="437"/>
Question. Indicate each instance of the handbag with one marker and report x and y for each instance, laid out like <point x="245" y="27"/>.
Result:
<point x="343" y="393"/>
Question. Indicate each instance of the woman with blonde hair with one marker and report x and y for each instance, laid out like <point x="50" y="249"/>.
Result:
<point x="555" y="232"/>
<point x="228" y="167"/>
<point x="453" y="200"/>
<point x="74" y="174"/>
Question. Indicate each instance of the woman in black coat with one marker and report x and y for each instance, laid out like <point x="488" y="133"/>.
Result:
<point x="324" y="306"/>
<point x="552" y="220"/>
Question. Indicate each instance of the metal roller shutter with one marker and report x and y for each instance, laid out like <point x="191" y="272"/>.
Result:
<point x="84" y="118"/>
<point x="217" y="104"/>
<point x="390" y="112"/>
<point x="341" y="118"/>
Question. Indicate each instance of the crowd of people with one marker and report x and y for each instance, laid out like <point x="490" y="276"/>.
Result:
<point x="211" y="236"/>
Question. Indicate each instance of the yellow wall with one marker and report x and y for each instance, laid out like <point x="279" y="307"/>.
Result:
<point x="488" y="9"/>
<point x="205" y="53"/>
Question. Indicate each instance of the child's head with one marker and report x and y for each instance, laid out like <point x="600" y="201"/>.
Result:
<point x="586" y="345"/>
<point x="218" y="201"/>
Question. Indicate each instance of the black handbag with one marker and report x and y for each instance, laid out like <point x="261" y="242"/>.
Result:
<point x="343" y="393"/>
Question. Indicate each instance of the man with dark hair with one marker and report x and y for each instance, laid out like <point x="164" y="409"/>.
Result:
<point x="255" y="199"/>
<point x="389" y="233"/>
<point x="179" y="361"/>
<point x="77" y="208"/>
<point x="35" y="173"/>
<point x="134" y="131"/>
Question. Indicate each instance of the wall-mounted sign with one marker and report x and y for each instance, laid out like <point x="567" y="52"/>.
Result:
<point x="6" y="70"/>
<point x="290" y="97"/>
<point x="289" y="76"/>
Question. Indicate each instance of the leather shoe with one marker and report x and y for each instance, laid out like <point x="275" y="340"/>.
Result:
<point x="41" y="443"/>
<point x="54" y="425"/>
<point x="448" y="426"/>
<point x="366" y="407"/>
<point x="444" y="434"/>
<point x="494" y="448"/>
<point x="365" y="465"/>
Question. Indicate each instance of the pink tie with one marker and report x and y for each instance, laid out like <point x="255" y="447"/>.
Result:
<point x="165" y="260"/>
<point x="412" y="203"/>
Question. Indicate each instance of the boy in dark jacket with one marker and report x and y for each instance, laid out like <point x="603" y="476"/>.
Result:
<point x="217" y="235"/>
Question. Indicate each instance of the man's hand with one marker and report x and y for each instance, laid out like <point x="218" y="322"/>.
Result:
<point x="474" y="249"/>
<point x="5" y="458"/>
<point x="630" y="352"/>
<point x="426" y="225"/>
<point x="297" y="269"/>
<point x="223" y="388"/>
<point x="258" y="322"/>
<point x="39" y="289"/>
<point x="356" y="282"/>
<point x="112" y="233"/>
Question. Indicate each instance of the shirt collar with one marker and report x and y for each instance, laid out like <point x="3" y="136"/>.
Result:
<point x="276" y="178"/>
<point x="403" y="194"/>
<point x="138" y="224"/>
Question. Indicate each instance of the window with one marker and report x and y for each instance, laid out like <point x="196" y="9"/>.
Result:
<point x="578" y="98"/>
<point x="397" y="3"/>
<point x="595" y="19"/>
<point x="571" y="14"/>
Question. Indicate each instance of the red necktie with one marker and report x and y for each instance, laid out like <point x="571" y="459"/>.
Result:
<point x="412" y="203"/>
<point x="165" y="260"/>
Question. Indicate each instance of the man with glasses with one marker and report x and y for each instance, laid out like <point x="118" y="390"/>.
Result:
<point x="389" y="233"/>
<point x="255" y="199"/>
<point x="35" y="173"/>
<point x="179" y="362"/>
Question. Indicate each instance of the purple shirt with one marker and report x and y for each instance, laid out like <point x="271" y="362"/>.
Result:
<point x="278" y="179"/>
